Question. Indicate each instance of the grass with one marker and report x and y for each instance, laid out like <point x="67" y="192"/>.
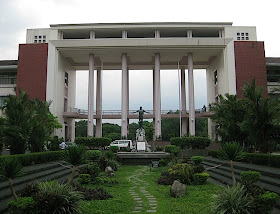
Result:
<point x="196" y="201"/>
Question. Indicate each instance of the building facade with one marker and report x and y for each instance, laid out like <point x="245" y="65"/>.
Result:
<point x="47" y="65"/>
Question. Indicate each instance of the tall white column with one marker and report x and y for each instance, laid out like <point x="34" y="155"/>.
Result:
<point x="90" y="95"/>
<point x="157" y="97"/>
<point x="191" y="95"/>
<point x="127" y="102"/>
<point x="183" y="99"/>
<point x="92" y="34"/>
<point x="124" y="95"/>
<point x="154" y="102"/>
<point x="99" y="103"/>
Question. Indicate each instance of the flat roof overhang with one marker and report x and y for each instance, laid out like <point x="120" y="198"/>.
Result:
<point x="140" y="52"/>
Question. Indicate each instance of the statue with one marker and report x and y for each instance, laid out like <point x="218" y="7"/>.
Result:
<point x="141" y="116"/>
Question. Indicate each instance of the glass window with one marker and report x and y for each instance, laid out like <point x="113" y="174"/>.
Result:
<point x="2" y="101"/>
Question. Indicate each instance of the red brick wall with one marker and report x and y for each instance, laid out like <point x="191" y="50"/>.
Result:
<point x="249" y="63"/>
<point x="32" y="70"/>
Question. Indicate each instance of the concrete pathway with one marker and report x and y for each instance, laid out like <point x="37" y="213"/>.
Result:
<point x="140" y="194"/>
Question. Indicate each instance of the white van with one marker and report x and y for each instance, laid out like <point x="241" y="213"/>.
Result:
<point x="122" y="144"/>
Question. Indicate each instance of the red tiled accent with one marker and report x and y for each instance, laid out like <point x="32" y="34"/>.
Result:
<point x="250" y="63"/>
<point x="32" y="70"/>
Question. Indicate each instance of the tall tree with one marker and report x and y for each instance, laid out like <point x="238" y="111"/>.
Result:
<point x="261" y="113"/>
<point x="43" y="125"/>
<point x="19" y="115"/>
<point x="228" y="115"/>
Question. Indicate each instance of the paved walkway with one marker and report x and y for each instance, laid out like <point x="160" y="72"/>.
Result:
<point x="140" y="194"/>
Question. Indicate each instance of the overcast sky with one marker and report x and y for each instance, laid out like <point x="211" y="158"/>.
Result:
<point x="18" y="15"/>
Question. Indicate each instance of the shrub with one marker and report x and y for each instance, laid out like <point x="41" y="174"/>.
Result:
<point x="232" y="200"/>
<point x="163" y="162"/>
<point x="93" y="142"/>
<point x="25" y="205"/>
<point x="165" y="180"/>
<point x="194" y="142"/>
<point x="93" y="155"/>
<point x="201" y="178"/>
<point x="94" y="194"/>
<point x="198" y="169"/>
<point x="197" y="159"/>
<point x="264" y="203"/>
<point x="213" y="153"/>
<point x="171" y="149"/>
<point x="114" y="149"/>
<point x="103" y="163"/>
<point x="35" y="158"/>
<point x="54" y="143"/>
<point x="29" y="190"/>
<point x="84" y="178"/>
<point x="249" y="177"/>
<point x="183" y="172"/>
<point x="159" y="148"/>
<point x="93" y="170"/>
<point x="109" y="155"/>
<point x="113" y="164"/>
<point x="57" y="198"/>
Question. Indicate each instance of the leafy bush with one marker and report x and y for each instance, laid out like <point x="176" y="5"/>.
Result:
<point x="171" y="149"/>
<point x="35" y="158"/>
<point x="165" y="180"/>
<point x="109" y="155"/>
<point x="201" y="178"/>
<point x="58" y="198"/>
<point x="197" y="159"/>
<point x="84" y="178"/>
<point x="29" y="190"/>
<point x="25" y="205"/>
<point x="232" y="200"/>
<point x="94" y="194"/>
<point x="93" y="142"/>
<point x="93" y="155"/>
<point x="159" y="148"/>
<point x="163" y="162"/>
<point x="103" y="163"/>
<point x="213" y="153"/>
<point x="198" y="169"/>
<point x="54" y="143"/>
<point x="114" y="149"/>
<point x="183" y="172"/>
<point x="113" y="164"/>
<point x="249" y="177"/>
<point x="194" y="142"/>
<point x="264" y="203"/>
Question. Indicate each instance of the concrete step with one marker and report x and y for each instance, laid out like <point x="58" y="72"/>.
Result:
<point x="269" y="176"/>
<point x="237" y="171"/>
<point x="40" y="174"/>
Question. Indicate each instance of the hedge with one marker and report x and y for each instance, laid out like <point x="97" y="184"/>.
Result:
<point x="194" y="142"/>
<point x="93" y="142"/>
<point x="35" y="158"/>
<point x="255" y="158"/>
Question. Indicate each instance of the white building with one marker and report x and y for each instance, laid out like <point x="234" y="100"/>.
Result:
<point x="48" y="62"/>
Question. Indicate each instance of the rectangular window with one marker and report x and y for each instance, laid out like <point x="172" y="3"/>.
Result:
<point x="215" y="77"/>
<point x="2" y="101"/>
<point x="238" y="38"/>
<point x="66" y="79"/>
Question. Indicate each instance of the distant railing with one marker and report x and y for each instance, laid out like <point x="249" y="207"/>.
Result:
<point x="131" y="112"/>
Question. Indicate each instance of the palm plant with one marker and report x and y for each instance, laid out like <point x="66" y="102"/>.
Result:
<point x="228" y="114"/>
<point x="232" y="200"/>
<point x="231" y="151"/>
<point x="11" y="168"/>
<point x="74" y="155"/>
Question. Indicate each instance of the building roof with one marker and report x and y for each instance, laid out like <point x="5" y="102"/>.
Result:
<point x="272" y="60"/>
<point x="140" y="24"/>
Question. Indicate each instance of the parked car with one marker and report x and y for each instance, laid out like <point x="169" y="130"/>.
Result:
<point x="123" y="145"/>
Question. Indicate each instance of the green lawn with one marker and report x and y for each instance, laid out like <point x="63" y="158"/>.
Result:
<point x="196" y="201"/>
